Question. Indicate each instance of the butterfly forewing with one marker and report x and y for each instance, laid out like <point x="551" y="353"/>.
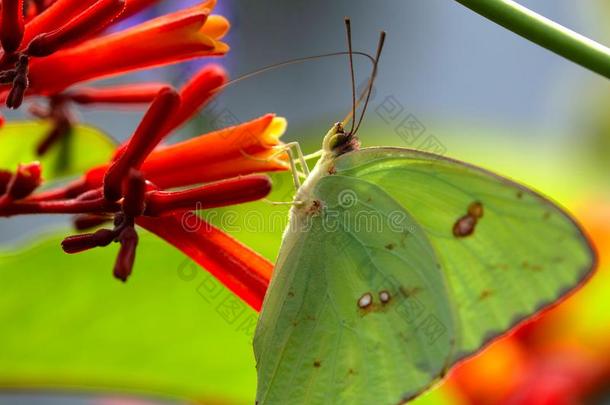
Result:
<point x="358" y="310"/>
<point x="506" y="251"/>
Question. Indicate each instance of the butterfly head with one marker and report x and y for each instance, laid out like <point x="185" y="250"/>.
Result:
<point x="339" y="141"/>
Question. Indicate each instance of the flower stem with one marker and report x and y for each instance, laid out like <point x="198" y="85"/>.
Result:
<point x="544" y="32"/>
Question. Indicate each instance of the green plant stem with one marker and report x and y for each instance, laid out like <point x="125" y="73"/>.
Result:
<point x="544" y="32"/>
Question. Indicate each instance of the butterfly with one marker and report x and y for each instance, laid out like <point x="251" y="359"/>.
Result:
<point x="397" y="264"/>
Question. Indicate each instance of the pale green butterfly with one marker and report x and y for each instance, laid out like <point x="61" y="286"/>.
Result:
<point x="397" y="264"/>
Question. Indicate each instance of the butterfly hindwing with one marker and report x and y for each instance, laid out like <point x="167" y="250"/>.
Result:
<point x="358" y="310"/>
<point x="506" y="251"/>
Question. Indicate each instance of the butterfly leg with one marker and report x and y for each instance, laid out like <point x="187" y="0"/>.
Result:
<point x="293" y="168"/>
<point x="299" y="152"/>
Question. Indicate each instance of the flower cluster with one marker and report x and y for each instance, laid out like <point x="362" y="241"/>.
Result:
<point x="56" y="44"/>
<point x="48" y="46"/>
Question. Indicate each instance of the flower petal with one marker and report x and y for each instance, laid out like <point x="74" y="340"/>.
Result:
<point x="230" y="152"/>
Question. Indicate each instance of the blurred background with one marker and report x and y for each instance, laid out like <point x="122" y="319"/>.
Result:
<point x="456" y="83"/>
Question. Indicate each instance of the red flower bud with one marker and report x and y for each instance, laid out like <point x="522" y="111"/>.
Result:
<point x="81" y="243"/>
<point x="12" y="27"/>
<point x="20" y="83"/>
<point x="27" y="179"/>
<point x="127" y="254"/>
<point x="5" y="178"/>
<point x="219" y="194"/>
<point x="146" y="137"/>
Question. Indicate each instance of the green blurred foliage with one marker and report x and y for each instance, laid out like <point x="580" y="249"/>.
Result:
<point x="83" y="148"/>
<point x="171" y="331"/>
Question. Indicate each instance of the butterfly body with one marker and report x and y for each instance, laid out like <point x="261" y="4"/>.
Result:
<point x="396" y="264"/>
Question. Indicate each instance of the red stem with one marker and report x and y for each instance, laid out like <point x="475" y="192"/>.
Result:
<point x="96" y="206"/>
<point x="128" y="94"/>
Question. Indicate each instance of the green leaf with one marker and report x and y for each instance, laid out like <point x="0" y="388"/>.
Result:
<point x="172" y="330"/>
<point x="82" y="149"/>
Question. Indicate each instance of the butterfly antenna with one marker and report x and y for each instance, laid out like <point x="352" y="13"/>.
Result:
<point x="348" y="30"/>
<point x="292" y="62"/>
<point x="372" y="79"/>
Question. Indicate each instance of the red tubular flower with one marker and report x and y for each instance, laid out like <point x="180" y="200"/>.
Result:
<point x="89" y="21"/>
<point x="230" y="152"/>
<point x="66" y="44"/>
<point x="168" y="39"/>
<point x="243" y="271"/>
<point x="12" y="27"/>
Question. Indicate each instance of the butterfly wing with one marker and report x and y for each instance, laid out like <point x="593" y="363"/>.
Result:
<point x="506" y="251"/>
<point x="358" y="308"/>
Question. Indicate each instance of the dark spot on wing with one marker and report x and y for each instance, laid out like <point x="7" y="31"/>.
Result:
<point x="315" y="207"/>
<point x="351" y="371"/>
<point x="409" y="292"/>
<point x="476" y="210"/>
<point x="290" y="294"/>
<point x="519" y="194"/>
<point x="465" y="226"/>
<point x="332" y="170"/>
<point x="485" y="294"/>
<point x="390" y="246"/>
<point x="405" y="336"/>
<point x="546" y="216"/>
<point x="317" y="364"/>
<point x="529" y="266"/>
